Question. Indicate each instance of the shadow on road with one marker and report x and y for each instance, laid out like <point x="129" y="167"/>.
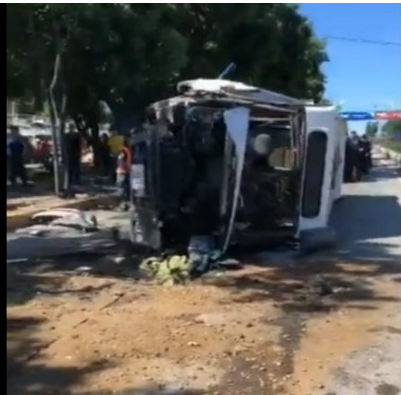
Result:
<point x="47" y="277"/>
<point x="23" y="286"/>
<point x="360" y="218"/>
<point x="383" y="172"/>
<point x="369" y="250"/>
<point x="28" y="375"/>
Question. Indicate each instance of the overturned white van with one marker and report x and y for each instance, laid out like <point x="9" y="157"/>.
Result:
<point x="235" y="164"/>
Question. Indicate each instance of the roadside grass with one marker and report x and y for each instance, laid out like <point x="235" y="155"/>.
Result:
<point x="392" y="145"/>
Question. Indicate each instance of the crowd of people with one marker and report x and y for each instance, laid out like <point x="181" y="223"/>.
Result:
<point x="114" y="158"/>
<point x="112" y="154"/>
<point x="358" y="157"/>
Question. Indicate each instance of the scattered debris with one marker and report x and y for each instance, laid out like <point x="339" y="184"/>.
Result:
<point x="177" y="269"/>
<point x="119" y="259"/>
<point x="230" y="263"/>
<point x="320" y="286"/>
<point x="171" y="270"/>
<point x="58" y="232"/>
<point x="199" y="252"/>
<point x="73" y="218"/>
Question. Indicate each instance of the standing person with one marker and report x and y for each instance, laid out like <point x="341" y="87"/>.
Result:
<point x="73" y="153"/>
<point x="46" y="158"/>
<point x="361" y="147"/>
<point x="16" y="152"/>
<point x="367" y="152"/>
<point x="351" y="165"/>
<point x="357" y="157"/>
<point x="116" y="143"/>
<point x="348" y="161"/>
<point x="124" y="161"/>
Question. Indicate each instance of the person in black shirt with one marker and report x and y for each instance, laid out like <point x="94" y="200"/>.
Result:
<point x="104" y="156"/>
<point x="16" y="150"/>
<point x="366" y="153"/>
<point x="73" y="151"/>
<point x="352" y="159"/>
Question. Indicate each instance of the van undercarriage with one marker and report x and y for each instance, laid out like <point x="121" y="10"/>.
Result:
<point x="224" y="165"/>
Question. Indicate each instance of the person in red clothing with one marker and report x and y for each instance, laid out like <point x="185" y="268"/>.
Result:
<point x="44" y="148"/>
<point x="123" y="169"/>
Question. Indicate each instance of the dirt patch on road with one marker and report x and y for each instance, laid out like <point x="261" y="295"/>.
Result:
<point x="263" y="330"/>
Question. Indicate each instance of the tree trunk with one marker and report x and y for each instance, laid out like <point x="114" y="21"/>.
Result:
<point x="64" y="153"/>
<point x="55" y="129"/>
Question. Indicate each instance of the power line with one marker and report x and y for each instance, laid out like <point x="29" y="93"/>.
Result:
<point x="364" y="41"/>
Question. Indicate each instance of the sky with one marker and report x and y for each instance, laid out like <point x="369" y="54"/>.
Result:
<point x="366" y="77"/>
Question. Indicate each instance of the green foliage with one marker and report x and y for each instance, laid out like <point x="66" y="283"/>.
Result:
<point x="392" y="145"/>
<point x="129" y="55"/>
<point x="391" y="135"/>
<point x="392" y="130"/>
<point x="325" y="102"/>
<point x="272" y="45"/>
<point x="175" y="269"/>
<point x="371" y="129"/>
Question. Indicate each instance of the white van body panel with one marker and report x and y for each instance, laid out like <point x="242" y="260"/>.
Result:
<point x="328" y="121"/>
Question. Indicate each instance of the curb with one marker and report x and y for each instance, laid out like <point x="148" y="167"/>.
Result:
<point x="23" y="219"/>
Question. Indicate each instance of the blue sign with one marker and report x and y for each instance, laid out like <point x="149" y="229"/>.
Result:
<point x="357" y="115"/>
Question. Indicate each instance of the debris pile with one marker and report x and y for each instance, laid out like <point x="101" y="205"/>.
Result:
<point x="171" y="270"/>
<point x="178" y="269"/>
<point x="50" y="221"/>
<point x="58" y="232"/>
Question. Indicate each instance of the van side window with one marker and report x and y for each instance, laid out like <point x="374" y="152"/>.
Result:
<point x="314" y="173"/>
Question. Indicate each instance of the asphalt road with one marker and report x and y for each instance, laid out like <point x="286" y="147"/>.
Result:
<point x="368" y="222"/>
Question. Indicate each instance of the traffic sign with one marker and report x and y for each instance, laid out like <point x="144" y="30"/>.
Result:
<point x="370" y="116"/>
<point x="388" y="115"/>
<point x="357" y="115"/>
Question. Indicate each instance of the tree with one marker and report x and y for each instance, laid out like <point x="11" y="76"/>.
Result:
<point x="122" y="54"/>
<point x="325" y="102"/>
<point x="128" y="55"/>
<point x="273" y="46"/>
<point x="102" y="57"/>
<point x="371" y="129"/>
<point x="392" y="130"/>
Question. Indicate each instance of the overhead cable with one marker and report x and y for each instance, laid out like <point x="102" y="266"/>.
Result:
<point x="364" y="41"/>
